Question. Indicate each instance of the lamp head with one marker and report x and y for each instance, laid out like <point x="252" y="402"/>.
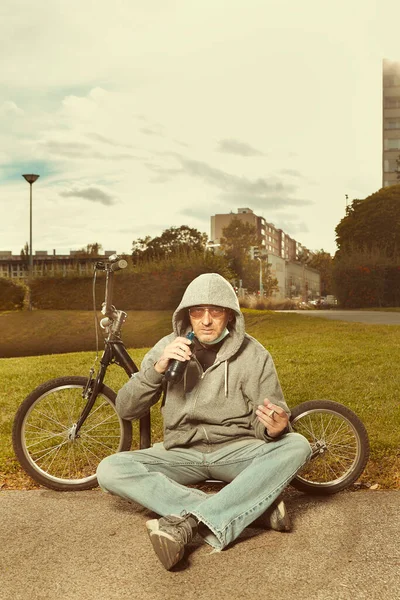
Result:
<point x="31" y="178"/>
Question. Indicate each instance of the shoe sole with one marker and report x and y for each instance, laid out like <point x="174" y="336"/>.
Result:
<point x="276" y="518"/>
<point x="168" y="551"/>
<point x="279" y="518"/>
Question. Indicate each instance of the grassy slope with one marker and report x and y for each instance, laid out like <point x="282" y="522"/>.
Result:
<point x="351" y="363"/>
<point x="27" y="333"/>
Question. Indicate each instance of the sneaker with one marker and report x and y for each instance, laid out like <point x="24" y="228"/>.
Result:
<point x="275" y="517"/>
<point x="169" y="536"/>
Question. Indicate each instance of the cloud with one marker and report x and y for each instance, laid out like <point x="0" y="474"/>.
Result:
<point x="231" y="146"/>
<point x="79" y="150"/>
<point x="152" y="131"/>
<point x="293" y="226"/>
<point x="8" y="108"/>
<point x="101" y="138"/>
<point x="260" y="192"/>
<point x="291" y="172"/>
<point x="92" y="193"/>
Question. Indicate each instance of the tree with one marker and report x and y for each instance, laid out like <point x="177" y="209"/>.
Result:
<point x="373" y="223"/>
<point x="365" y="268"/>
<point x="323" y="262"/>
<point x="25" y="251"/>
<point x="25" y="256"/>
<point x="236" y="241"/>
<point x="94" y="249"/>
<point x="90" y="250"/>
<point x="172" y="241"/>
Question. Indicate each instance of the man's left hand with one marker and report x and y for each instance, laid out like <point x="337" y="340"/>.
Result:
<point x="273" y="417"/>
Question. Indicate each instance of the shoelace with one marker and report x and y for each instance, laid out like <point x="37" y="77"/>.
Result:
<point x="178" y="527"/>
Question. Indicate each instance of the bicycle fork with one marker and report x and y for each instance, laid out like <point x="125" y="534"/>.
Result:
<point x="116" y="352"/>
<point x="90" y="393"/>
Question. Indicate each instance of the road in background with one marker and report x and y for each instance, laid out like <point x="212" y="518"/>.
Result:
<point x="370" y="317"/>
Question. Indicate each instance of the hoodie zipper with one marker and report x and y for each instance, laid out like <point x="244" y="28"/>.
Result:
<point x="201" y="378"/>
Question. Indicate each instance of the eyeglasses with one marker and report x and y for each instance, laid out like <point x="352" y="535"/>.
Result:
<point x="199" y="311"/>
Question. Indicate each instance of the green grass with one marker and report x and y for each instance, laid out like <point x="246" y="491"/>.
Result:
<point x="351" y="363"/>
<point x="25" y="333"/>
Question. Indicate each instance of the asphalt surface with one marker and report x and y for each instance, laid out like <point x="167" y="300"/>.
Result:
<point x="370" y="317"/>
<point x="89" y="545"/>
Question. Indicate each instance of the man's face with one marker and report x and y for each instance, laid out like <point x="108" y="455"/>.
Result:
<point x="209" y="321"/>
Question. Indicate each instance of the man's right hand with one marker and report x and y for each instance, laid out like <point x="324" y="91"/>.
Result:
<point x="178" y="349"/>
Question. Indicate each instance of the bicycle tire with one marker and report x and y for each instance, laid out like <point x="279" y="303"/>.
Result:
<point x="340" y="445"/>
<point x="42" y="434"/>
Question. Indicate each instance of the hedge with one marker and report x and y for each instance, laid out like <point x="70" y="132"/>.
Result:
<point x="160" y="289"/>
<point x="11" y="294"/>
<point x="367" y="285"/>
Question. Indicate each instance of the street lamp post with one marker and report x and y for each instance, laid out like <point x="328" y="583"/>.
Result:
<point x="261" y="283"/>
<point x="30" y="179"/>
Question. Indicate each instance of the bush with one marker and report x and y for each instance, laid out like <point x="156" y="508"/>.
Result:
<point x="267" y="303"/>
<point x="11" y="294"/>
<point x="366" y="279"/>
<point x="153" y="285"/>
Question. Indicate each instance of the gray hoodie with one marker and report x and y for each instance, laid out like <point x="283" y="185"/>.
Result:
<point x="217" y="406"/>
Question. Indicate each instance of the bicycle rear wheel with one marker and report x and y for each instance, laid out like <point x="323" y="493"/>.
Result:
<point x="339" y="442"/>
<point x="44" y="440"/>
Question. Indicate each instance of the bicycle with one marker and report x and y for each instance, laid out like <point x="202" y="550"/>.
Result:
<point x="67" y="425"/>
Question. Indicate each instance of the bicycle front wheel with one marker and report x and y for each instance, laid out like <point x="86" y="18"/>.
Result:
<point x="44" y="440"/>
<point x="339" y="443"/>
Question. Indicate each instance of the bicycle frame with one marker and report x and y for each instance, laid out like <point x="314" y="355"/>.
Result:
<point x="114" y="352"/>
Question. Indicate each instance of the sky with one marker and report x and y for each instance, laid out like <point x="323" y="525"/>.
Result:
<point x="145" y="115"/>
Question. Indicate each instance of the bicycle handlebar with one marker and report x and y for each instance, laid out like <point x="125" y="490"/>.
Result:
<point x="117" y="266"/>
<point x="114" y="263"/>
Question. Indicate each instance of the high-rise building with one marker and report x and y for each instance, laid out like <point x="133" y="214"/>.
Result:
<point x="273" y="240"/>
<point x="295" y="278"/>
<point x="390" y="121"/>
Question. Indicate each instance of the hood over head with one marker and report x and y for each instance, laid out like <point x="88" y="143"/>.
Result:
<point x="209" y="288"/>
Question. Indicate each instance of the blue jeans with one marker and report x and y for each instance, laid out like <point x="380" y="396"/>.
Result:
<point x="256" y="472"/>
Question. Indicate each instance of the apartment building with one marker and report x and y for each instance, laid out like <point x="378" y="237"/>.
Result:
<point x="273" y="240"/>
<point x="390" y="121"/>
<point x="295" y="279"/>
<point x="15" y="266"/>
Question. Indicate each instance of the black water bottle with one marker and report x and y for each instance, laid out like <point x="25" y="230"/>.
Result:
<point x="176" y="368"/>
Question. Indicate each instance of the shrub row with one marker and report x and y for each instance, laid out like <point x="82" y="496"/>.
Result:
<point x="366" y="286"/>
<point x="157" y="287"/>
<point x="267" y="303"/>
<point x="11" y="294"/>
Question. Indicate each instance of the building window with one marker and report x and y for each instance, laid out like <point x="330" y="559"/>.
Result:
<point x="392" y="144"/>
<point x="390" y="166"/>
<point x="391" y="102"/>
<point x="391" y="80"/>
<point x="392" y="123"/>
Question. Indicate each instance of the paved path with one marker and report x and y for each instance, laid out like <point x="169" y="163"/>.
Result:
<point x="91" y="546"/>
<point x="371" y="317"/>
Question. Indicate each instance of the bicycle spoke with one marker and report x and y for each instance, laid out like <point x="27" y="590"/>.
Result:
<point x="47" y="443"/>
<point x="98" y="442"/>
<point x="334" y="444"/>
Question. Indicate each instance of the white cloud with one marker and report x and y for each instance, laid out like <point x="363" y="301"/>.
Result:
<point x="238" y="147"/>
<point x="10" y="109"/>
<point x="92" y="193"/>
